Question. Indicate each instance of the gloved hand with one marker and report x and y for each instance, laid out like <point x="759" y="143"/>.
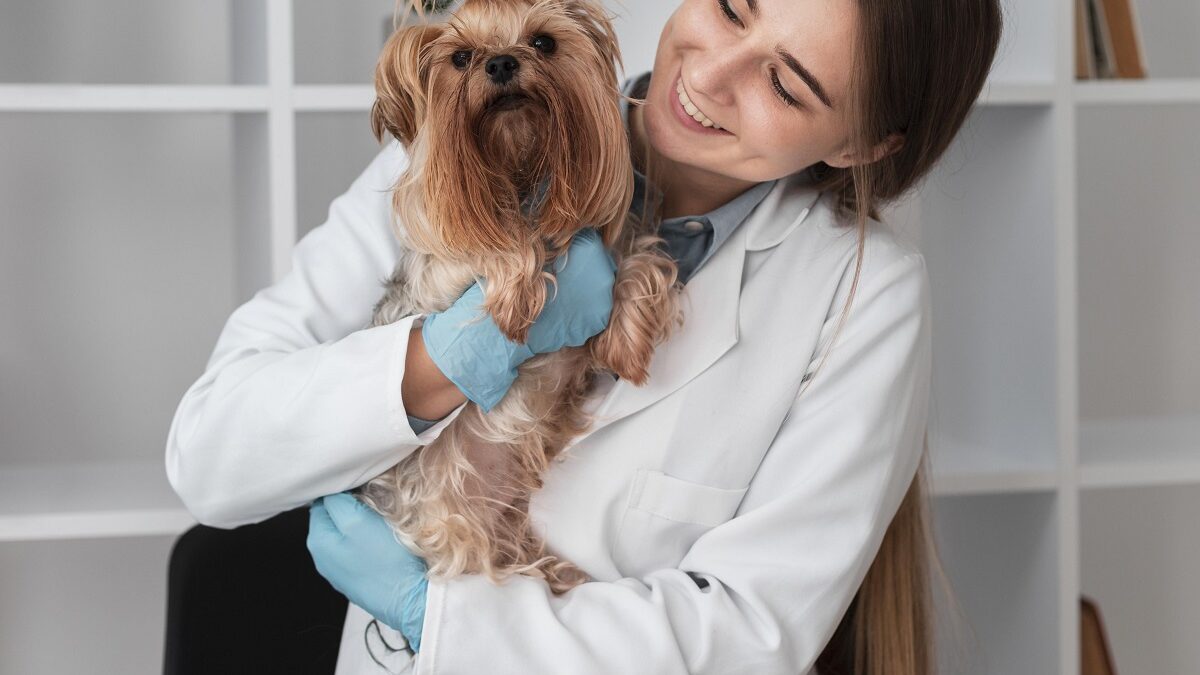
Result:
<point x="354" y="548"/>
<point x="481" y="362"/>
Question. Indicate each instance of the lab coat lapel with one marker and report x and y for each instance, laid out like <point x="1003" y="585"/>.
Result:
<point x="710" y="301"/>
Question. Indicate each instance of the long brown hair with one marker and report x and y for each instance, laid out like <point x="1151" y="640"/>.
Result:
<point x="918" y="68"/>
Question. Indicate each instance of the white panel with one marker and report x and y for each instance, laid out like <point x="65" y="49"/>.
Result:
<point x="1027" y="42"/>
<point x="339" y="42"/>
<point x="988" y="235"/>
<point x="1170" y="43"/>
<point x="116" y="41"/>
<point x="1140" y="549"/>
<point x="1139" y="234"/>
<point x="249" y="175"/>
<point x="638" y="26"/>
<point x="332" y="149"/>
<point x="248" y="25"/>
<point x="1000" y="554"/>
<point x="117" y="259"/>
<point x="88" y="606"/>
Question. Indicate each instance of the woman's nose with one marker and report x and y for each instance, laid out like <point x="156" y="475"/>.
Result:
<point x="500" y="68"/>
<point x="716" y="73"/>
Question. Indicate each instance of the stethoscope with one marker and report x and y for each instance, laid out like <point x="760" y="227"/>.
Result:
<point x="391" y="658"/>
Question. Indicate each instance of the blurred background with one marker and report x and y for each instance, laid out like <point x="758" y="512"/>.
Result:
<point x="158" y="162"/>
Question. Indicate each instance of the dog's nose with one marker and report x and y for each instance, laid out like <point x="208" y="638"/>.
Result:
<point x="500" y="69"/>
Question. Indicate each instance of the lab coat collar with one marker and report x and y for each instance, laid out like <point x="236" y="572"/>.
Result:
<point x="710" y="302"/>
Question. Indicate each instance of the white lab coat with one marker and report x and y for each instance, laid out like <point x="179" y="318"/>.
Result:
<point x="714" y="467"/>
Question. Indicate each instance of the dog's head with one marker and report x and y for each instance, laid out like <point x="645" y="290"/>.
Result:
<point x="510" y="103"/>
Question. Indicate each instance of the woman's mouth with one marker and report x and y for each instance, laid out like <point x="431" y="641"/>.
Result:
<point x="690" y="115"/>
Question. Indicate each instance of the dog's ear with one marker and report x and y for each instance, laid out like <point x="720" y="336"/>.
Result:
<point x="401" y="82"/>
<point x="596" y="21"/>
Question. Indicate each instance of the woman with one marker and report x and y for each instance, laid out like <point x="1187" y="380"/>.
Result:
<point x="733" y="510"/>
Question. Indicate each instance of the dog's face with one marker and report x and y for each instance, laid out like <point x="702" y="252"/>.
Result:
<point x="502" y="96"/>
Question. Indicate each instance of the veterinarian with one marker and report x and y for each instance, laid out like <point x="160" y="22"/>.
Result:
<point x="763" y="489"/>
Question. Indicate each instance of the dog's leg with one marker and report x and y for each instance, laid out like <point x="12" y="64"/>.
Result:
<point x="441" y="506"/>
<point x="554" y="388"/>
<point x="516" y="294"/>
<point x="645" y="312"/>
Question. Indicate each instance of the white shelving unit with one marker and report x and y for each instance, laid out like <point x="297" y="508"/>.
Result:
<point x="161" y="161"/>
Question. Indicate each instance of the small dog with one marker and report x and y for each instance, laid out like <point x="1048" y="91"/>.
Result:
<point x="510" y="114"/>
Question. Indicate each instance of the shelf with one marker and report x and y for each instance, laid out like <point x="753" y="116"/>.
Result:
<point x="304" y="97"/>
<point x="1139" y="451"/>
<point x="961" y="483"/>
<point x="1123" y="92"/>
<point x="87" y="500"/>
<point x="1016" y="94"/>
<point x="333" y="97"/>
<point x="960" y="469"/>
<point x="132" y="98"/>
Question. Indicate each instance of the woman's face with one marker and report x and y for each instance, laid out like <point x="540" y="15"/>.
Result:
<point x="737" y="63"/>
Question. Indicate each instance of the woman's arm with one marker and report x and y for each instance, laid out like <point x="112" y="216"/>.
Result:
<point x="427" y="392"/>
<point x="780" y="574"/>
<point x="298" y="400"/>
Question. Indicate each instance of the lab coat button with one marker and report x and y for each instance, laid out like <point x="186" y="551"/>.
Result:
<point x="694" y="225"/>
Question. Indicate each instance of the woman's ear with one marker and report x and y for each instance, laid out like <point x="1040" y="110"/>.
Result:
<point x="401" y="81"/>
<point x="844" y="158"/>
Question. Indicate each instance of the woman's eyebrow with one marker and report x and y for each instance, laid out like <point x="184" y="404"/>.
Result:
<point x="791" y="62"/>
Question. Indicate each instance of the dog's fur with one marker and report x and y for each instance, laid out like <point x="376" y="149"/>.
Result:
<point x="462" y="501"/>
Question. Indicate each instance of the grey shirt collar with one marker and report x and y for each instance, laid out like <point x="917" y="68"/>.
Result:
<point x="724" y="219"/>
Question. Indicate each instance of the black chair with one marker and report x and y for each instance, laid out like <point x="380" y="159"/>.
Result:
<point x="249" y="600"/>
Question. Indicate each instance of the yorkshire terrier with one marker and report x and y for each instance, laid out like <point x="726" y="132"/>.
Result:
<point x="509" y="111"/>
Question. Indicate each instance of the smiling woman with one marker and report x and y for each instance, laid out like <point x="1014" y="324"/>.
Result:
<point x="864" y="96"/>
<point x="766" y="73"/>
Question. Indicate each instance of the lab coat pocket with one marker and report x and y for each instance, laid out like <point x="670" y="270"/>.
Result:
<point x="664" y="516"/>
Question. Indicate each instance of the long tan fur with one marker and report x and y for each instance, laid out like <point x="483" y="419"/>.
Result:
<point x="462" y="501"/>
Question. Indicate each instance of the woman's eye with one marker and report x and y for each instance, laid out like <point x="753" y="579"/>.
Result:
<point x="461" y="58"/>
<point x="779" y="90"/>
<point x="787" y="98"/>
<point x="728" y="11"/>
<point x="544" y="44"/>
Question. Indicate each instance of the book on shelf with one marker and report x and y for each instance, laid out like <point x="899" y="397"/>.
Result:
<point x="1085" y="65"/>
<point x="1108" y="42"/>
<point x="1096" y="657"/>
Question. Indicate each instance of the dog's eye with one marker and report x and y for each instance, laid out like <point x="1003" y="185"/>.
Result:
<point x="543" y="43"/>
<point x="461" y="58"/>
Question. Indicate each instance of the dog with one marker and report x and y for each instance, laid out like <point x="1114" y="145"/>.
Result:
<point x="510" y="113"/>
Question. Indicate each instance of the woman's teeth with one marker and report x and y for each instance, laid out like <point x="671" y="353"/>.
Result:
<point x="691" y="107"/>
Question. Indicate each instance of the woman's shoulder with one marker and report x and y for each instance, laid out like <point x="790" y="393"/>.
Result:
<point x="824" y="243"/>
<point x="884" y="241"/>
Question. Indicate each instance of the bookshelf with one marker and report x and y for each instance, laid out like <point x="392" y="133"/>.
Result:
<point x="168" y="163"/>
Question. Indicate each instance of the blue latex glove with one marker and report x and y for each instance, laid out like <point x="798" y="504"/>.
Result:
<point x="355" y="550"/>
<point x="472" y="352"/>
